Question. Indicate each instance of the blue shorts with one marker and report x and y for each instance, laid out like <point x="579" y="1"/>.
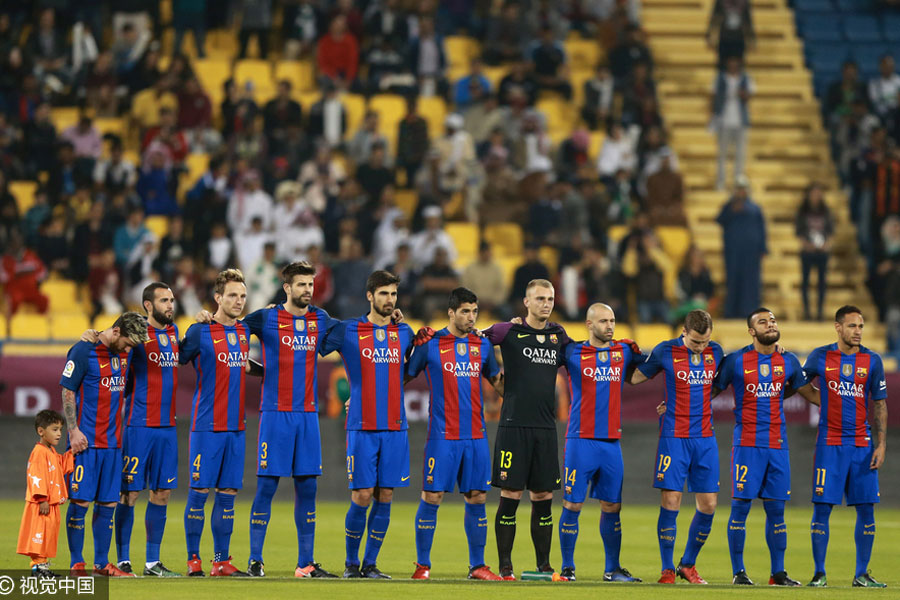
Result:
<point x="377" y="459"/>
<point x="840" y="471"/>
<point x="694" y="459"/>
<point x="451" y="462"/>
<point x="97" y="475"/>
<point x="217" y="459"/>
<point x="150" y="458"/>
<point x="598" y="462"/>
<point x="760" y="473"/>
<point x="288" y="444"/>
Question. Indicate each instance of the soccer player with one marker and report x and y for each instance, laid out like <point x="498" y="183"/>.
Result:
<point x="150" y="443"/>
<point x="374" y="351"/>
<point x="598" y="370"/>
<point x="849" y="451"/>
<point x="525" y="451"/>
<point x="760" y="466"/>
<point x="687" y="444"/>
<point x="218" y="351"/>
<point x="288" y="444"/>
<point x="457" y="452"/>
<point x="93" y="383"/>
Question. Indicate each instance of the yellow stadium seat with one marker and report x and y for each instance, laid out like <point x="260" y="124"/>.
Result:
<point x="29" y="327"/>
<point x="212" y="73"/>
<point x="495" y="75"/>
<point x="355" y="104"/>
<point x="221" y="44"/>
<point x="506" y="238"/>
<point x="648" y="335"/>
<point x="509" y="264"/>
<point x="675" y="241"/>
<point x="407" y="201"/>
<point x="69" y="327"/>
<point x="460" y="50"/>
<point x="307" y="99"/>
<point x="577" y="78"/>
<point x="183" y="322"/>
<point x="583" y="54"/>
<point x="4" y="332"/>
<point x="391" y="109"/>
<point x="197" y="165"/>
<point x="597" y="138"/>
<point x="300" y="73"/>
<point x="104" y="321"/>
<point x="433" y="109"/>
<point x="158" y="224"/>
<point x="62" y="294"/>
<point x="63" y="118"/>
<point x="624" y="331"/>
<point x="114" y="126"/>
<point x="561" y="115"/>
<point x="615" y="233"/>
<point x="23" y="192"/>
<point x="550" y="257"/>
<point x="465" y="237"/>
<point x="255" y="70"/>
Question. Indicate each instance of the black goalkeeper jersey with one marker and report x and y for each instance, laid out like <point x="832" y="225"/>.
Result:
<point x="531" y="358"/>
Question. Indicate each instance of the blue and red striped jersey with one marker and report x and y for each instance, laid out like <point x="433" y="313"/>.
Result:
<point x="219" y="354"/>
<point x="374" y="358"/>
<point x="846" y="382"/>
<point x="689" y="382"/>
<point x="759" y="381"/>
<point x="289" y="352"/>
<point x="454" y="367"/>
<point x="97" y="376"/>
<point x="596" y="380"/>
<point x="154" y="379"/>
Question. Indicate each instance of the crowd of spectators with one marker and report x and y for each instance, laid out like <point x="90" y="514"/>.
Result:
<point x="289" y="181"/>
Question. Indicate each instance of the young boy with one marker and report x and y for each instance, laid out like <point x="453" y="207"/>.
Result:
<point x="45" y="491"/>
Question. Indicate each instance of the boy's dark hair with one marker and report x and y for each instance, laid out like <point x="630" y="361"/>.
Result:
<point x="149" y="293"/>
<point x="461" y="296"/>
<point x="300" y="267"/>
<point x="380" y="279"/>
<point x="698" y="320"/>
<point x="847" y="309"/>
<point x="46" y="418"/>
<point x="761" y="309"/>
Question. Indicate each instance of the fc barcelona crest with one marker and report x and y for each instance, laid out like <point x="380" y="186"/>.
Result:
<point x="847" y="370"/>
<point x="129" y="479"/>
<point x="764" y="370"/>
<point x="554" y="339"/>
<point x="617" y="356"/>
<point x="263" y="464"/>
<point x="114" y="362"/>
<point x="429" y="479"/>
<point x="461" y="349"/>
<point x="174" y="340"/>
<point x="541" y="338"/>
<point x="232" y="339"/>
<point x="861" y="372"/>
<point x="243" y="338"/>
<point x="74" y="487"/>
<point x="313" y="326"/>
<point x="300" y="325"/>
<point x="379" y="335"/>
<point x="392" y="335"/>
<point x="740" y="487"/>
<point x="695" y="359"/>
<point x="475" y="350"/>
<point x="708" y="359"/>
<point x="778" y="370"/>
<point x="163" y="339"/>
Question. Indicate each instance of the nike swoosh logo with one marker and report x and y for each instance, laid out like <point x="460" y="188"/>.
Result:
<point x="404" y="478"/>
<point x="228" y="510"/>
<point x="170" y="480"/>
<point x="216" y="341"/>
<point x="867" y="526"/>
<point x="104" y="365"/>
<point x="679" y="360"/>
<point x="310" y="513"/>
<point x="748" y="371"/>
<point x="447" y="350"/>
<point x="196" y="509"/>
<point x="557" y="481"/>
<point x="521" y="335"/>
<point x="259" y="514"/>
<point x="283" y="325"/>
<point x="667" y="529"/>
<point x="831" y="368"/>
<point x="364" y="337"/>
<point x="568" y="524"/>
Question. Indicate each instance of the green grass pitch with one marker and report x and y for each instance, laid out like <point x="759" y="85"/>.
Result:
<point x="449" y="556"/>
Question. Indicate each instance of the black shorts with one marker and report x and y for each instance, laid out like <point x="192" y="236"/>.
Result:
<point x="526" y="458"/>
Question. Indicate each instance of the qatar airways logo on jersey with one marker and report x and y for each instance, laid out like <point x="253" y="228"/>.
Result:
<point x="463" y="369"/>
<point x="163" y="359"/>
<point x="382" y="355"/>
<point x="846" y="388"/>
<point x="704" y="377"/>
<point x="232" y="359"/>
<point x="300" y="343"/>
<point x="603" y="373"/>
<point x="115" y="383"/>
<point x="764" y="389"/>
<point x="540" y="356"/>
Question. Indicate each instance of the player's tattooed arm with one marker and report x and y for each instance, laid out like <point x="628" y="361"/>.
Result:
<point x="76" y="439"/>
<point x="497" y="382"/>
<point x="879" y="432"/>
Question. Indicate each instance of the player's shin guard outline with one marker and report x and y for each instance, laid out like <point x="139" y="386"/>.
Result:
<point x="124" y="524"/>
<point x="864" y="536"/>
<point x="819" y="532"/>
<point x="737" y="533"/>
<point x="568" y="536"/>
<point x="354" y="528"/>
<point x="426" y="523"/>
<point x="379" y="521"/>
<point x="542" y="530"/>
<point x="475" y="524"/>
<point x="222" y="525"/>
<point x="776" y="533"/>
<point x="305" y="518"/>
<point x="611" y="534"/>
<point x="666" y="531"/>
<point x="155" y="524"/>
<point x="260" y="512"/>
<point x="75" y="531"/>
<point x="102" y="528"/>
<point x="505" y="530"/>
<point x="194" y="518"/>
<point x="697" y="535"/>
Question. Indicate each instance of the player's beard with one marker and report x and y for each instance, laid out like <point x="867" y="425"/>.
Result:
<point x="300" y="302"/>
<point x="603" y="336"/>
<point x="161" y="317"/>
<point x="385" y="310"/>
<point x="767" y="339"/>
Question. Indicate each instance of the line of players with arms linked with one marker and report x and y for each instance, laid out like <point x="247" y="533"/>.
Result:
<point x="119" y="386"/>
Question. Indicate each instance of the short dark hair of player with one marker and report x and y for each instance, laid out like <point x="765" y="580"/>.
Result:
<point x="698" y="320"/>
<point x="847" y="309"/>
<point x="132" y="326"/>
<point x="46" y="418"/>
<point x="300" y="267"/>
<point x="538" y="282"/>
<point x="761" y="309"/>
<point x="380" y="279"/>
<point x="227" y="276"/>
<point x="461" y="296"/>
<point x="149" y="293"/>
